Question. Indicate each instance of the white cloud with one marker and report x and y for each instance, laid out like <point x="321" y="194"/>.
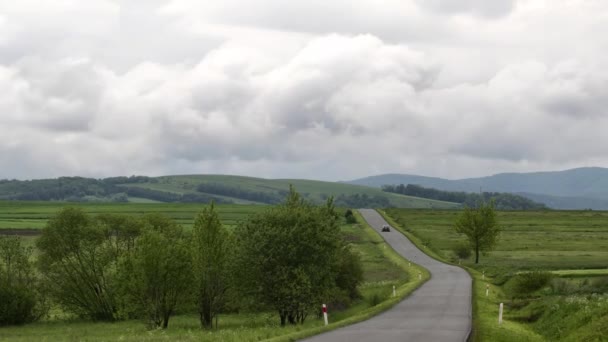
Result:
<point x="328" y="90"/>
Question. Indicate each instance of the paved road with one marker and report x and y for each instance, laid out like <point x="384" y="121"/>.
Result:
<point x="438" y="311"/>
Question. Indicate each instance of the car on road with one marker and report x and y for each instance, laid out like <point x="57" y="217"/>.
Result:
<point x="386" y="228"/>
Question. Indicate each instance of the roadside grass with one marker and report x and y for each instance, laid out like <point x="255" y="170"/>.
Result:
<point x="383" y="269"/>
<point x="485" y="309"/>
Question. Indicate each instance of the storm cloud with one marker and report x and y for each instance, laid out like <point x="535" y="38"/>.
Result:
<point x="326" y="90"/>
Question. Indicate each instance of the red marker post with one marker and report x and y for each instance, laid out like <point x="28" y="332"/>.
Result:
<point x="325" y="314"/>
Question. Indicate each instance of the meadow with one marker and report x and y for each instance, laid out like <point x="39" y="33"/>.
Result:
<point x="381" y="266"/>
<point x="568" y="247"/>
<point x="34" y="215"/>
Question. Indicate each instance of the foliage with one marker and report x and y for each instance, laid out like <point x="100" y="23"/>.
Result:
<point x="480" y="227"/>
<point x="350" y="217"/>
<point x="211" y="248"/>
<point x="503" y="201"/>
<point x="20" y="298"/>
<point x="77" y="262"/>
<point x="526" y="283"/>
<point x="289" y="257"/>
<point x="156" y="277"/>
<point x="462" y="251"/>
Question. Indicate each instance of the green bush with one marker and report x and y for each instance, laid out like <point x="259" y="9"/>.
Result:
<point x="525" y="283"/>
<point x="350" y="217"/>
<point x="462" y="251"/>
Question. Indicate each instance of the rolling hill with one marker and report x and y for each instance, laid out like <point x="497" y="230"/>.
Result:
<point x="579" y="188"/>
<point x="204" y="188"/>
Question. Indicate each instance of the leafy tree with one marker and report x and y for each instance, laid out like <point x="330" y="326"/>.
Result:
<point x="480" y="226"/>
<point x="21" y="300"/>
<point x="289" y="257"/>
<point x="78" y="265"/>
<point x="210" y="255"/>
<point x="156" y="276"/>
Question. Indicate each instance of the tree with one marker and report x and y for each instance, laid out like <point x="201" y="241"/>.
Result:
<point x="289" y="257"/>
<point x="21" y="300"/>
<point x="210" y="253"/>
<point x="480" y="226"/>
<point x="156" y="277"/>
<point x="77" y="264"/>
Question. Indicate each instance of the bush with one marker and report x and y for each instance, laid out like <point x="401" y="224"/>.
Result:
<point x="20" y="298"/>
<point x="526" y="283"/>
<point x="350" y="217"/>
<point x="462" y="251"/>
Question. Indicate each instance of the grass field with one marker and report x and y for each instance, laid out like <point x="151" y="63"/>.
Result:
<point x="552" y="240"/>
<point x="382" y="269"/>
<point x="22" y="215"/>
<point x="572" y="245"/>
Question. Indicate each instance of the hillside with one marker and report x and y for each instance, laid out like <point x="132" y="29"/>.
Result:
<point x="202" y="189"/>
<point x="570" y="189"/>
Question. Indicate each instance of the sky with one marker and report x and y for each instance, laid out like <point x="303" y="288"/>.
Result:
<point x="318" y="89"/>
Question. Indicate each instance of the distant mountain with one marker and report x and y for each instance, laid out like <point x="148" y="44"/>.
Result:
<point x="570" y="189"/>
<point x="203" y="189"/>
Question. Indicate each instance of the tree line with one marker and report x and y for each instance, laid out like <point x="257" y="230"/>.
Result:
<point x="502" y="201"/>
<point x="287" y="259"/>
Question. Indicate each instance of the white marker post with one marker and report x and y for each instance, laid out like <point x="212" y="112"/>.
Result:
<point x="500" y="314"/>
<point x="394" y="292"/>
<point x="419" y="275"/>
<point x="483" y="276"/>
<point x="487" y="289"/>
<point x="325" y="314"/>
<point x="409" y="264"/>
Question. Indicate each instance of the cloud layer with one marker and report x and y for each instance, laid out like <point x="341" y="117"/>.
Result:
<point x="310" y="89"/>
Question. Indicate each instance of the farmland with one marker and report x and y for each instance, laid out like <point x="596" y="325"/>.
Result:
<point x="34" y="215"/>
<point x="381" y="270"/>
<point x="570" y="248"/>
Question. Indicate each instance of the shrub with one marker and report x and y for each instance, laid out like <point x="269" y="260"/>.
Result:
<point x="462" y="251"/>
<point x="526" y="283"/>
<point x="350" y="217"/>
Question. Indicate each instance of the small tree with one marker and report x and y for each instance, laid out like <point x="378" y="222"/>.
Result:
<point x="20" y="299"/>
<point x="156" y="277"/>
<point x="480" y="226"/>
<point x="290" y="258"/>
<point x="210" y="253"/>
<point x="77" y="265"/>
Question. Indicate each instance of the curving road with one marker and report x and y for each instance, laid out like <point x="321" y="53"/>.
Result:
<point x="440" y="310"/>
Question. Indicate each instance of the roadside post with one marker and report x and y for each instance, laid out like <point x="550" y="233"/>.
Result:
<point x="394" y="292"/>
<point x="487" y="289"/>
<point x="500" y="314"/>
<point x="325" y="314"/>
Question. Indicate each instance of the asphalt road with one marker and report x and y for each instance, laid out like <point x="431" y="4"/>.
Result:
<point x="440" y="310"/>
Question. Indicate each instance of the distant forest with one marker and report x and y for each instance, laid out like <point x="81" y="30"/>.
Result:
<point x="503" y="201"/>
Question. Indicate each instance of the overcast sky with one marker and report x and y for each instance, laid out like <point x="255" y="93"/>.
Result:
<point x="321" y="89"/>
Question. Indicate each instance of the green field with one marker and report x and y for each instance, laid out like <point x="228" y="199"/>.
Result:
<point x="26" y="215"/>
<point x="382" y="269"/>
<point x="572" y="245"/>
<point x="552" y="240"/>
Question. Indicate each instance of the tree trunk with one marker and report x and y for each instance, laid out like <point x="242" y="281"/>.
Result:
<point x="477" y="254"/>
<point x="283" y="316"/>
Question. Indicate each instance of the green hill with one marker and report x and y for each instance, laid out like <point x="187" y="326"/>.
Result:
<point x="204" y="188"/>
<point x="569" y="189"/>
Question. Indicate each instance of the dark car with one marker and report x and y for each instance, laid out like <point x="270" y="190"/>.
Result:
<point x="386" y="228"/>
